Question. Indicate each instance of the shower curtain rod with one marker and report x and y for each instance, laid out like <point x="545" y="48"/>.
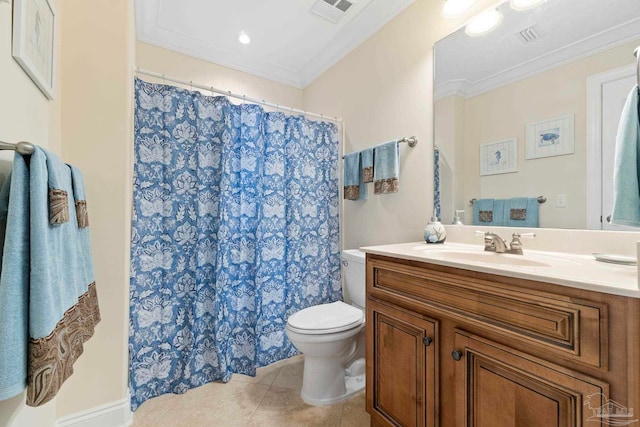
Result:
<point x="234" y="95"/>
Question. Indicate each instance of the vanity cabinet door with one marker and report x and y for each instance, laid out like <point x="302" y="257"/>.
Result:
<point x="500" y="387"/>
<point x="401" y="367"/>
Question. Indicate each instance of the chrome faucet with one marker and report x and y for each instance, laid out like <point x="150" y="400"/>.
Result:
<point x="495" y="243"/>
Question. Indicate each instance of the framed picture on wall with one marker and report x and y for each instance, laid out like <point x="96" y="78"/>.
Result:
<point x="553" y="137"/>
<point x="34" y="23"/>
<point x="499" y="157"/>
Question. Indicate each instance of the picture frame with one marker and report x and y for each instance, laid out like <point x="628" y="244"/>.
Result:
<point x="499" y="157"/>
<point x="551" y="137"/>
<point x="34" y="48"/>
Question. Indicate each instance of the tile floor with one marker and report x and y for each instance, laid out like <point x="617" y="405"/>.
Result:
<point x="270" y="399"/>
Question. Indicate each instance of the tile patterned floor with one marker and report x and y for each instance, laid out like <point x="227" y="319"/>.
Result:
<point x="270" y="399"/>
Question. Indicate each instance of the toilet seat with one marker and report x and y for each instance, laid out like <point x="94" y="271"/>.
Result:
<point x="325" y="319"/>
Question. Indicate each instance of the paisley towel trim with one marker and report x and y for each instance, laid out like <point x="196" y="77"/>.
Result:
<point x="367" y="174"/>
<point x="485" y="216"/>
<point x="58" y="207"/>
<point x="351" y="192"/>
<point x="81" y="213"/>
<point x="51" y="358"/>
<point x="386" y="186"/>
<point x="518" y="214"/>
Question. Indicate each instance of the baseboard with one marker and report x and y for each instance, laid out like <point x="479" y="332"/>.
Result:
<point x="114" y="414"/>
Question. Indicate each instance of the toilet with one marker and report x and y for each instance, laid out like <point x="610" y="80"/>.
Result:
<point x="331" y="337"/>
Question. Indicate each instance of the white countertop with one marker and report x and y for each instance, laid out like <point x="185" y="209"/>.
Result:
<point x="573" y="270"/>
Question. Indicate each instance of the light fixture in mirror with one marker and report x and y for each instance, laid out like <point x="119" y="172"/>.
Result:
<point x="525" y="4"/>
<point x="538" y="67"/>
<point x="484" y="23"/>
<point x="455" y="8"/>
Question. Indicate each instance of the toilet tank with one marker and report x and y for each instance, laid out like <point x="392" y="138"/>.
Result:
<point x="353" y="269"/>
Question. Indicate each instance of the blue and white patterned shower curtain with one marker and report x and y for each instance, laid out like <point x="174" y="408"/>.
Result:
<point x="235" y="227"/>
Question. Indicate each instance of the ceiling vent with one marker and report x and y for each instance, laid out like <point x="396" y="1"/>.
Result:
<point x="528" y="35"/>
<point x="331" y="10"/>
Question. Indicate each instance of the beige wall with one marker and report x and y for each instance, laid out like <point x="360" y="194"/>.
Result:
<point x="25" y="115"/>
<point x="188" y="68"/>
<point x="503" y="114"/>
<point x="97" y="71"/>
<point x="383" y="90"/>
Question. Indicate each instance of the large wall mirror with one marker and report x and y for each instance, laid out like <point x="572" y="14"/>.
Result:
<point x="543" y="92"/>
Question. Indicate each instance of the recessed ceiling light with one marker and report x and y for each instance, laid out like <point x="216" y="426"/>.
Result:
<point x="455" y="8"/>
<point x="484" y="23"/>
<point x="244" y="38"/>
<point x="525" y="4"/>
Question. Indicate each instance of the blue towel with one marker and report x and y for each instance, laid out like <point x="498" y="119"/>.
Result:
<point x="626" y="171"/>
<point x="488" y="212"/>
<point x="386" y="168"/>
<point x="521" y="212"/>
<point x="82" y="216"/>
<point x="47" y="288"/>
<point x="354" y="186"/>
<point x="367" y="164"/>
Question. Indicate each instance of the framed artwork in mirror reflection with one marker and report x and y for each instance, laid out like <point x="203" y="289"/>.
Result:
<point x="499" y="157"/>
<point x="552" y="137"/>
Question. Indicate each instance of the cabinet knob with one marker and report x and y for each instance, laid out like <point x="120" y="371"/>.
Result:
<point x="457" y="355"/>
<point x="427" y="341"/>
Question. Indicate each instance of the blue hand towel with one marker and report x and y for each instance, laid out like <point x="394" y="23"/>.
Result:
<point x="82" y="216"/>
<point x="386" y="168"/>
<point x="488" y="212"/>
<point x="47" y="288"/>
<point x="626" y="171"/>
<point x="354" y="187"/>
<point x="366" y="156"/>
<point x="521" y="212"/>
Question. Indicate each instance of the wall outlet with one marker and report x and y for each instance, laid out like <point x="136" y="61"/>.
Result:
<point x="561" y="200"/>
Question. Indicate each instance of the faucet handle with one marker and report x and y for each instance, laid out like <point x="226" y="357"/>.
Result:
<point x="524" y="235"/>
<point x="480" y="233"/>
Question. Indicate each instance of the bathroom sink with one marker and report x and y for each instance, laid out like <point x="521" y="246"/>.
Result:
<point x="492" y="258"/>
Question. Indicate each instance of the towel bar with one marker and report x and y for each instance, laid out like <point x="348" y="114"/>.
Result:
<point x="412" y="141"/>
<point x="21" y="147"/>
<point x="541" y="199"/>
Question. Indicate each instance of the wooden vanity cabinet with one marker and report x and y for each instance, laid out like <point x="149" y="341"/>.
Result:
<point x="457" y="348"/>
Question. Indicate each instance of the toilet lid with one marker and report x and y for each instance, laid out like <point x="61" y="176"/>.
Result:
<point x="326" y="318"/>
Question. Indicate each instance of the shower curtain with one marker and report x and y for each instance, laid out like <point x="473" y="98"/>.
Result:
<point x="235" y="227"/>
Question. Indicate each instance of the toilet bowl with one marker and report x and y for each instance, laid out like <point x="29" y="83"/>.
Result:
<point x="331" y="336"/>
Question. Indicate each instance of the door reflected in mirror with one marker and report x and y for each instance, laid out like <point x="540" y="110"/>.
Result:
<point x="554" y="78"/>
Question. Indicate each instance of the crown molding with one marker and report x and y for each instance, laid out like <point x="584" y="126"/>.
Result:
<point x="352" y="36"/>
<point x="580" y="49"/>
<point x="149" y="30"/>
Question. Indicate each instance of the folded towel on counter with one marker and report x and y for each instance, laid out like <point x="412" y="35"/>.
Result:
<point x="488" y="212"/>
<point x="521" y="212"/>
<point x="626" y="171"/>
<point x="367" y="164"/>
<point x="354" y="187"/>
<point x="47" y="288"/>
<point x="386" y="168"/>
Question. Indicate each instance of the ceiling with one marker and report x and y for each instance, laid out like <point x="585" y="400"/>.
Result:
<point x="289" y="44"/>
<point x="566" y="30"/>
